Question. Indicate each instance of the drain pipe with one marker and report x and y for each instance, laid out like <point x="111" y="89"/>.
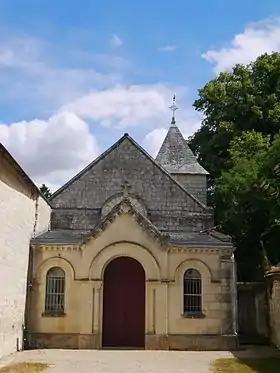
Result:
<point x="234" y="295"/>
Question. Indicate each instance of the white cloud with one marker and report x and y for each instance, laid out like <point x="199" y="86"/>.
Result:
<point x="123" y="106"/>
<point x="116" y="41"/>
<point x="25" y="66"/>
<point x="153" y="140"/>
<point x="168" y="48"/>
<point x="51" y="151"/>
<point x="257" y="38"/>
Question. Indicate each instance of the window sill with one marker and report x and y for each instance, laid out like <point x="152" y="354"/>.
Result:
<point x="53" y="314"/>
<point x="193" y="315"/>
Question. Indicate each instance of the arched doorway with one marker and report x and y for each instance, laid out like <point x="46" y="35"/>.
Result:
<point x="124" y="304"/>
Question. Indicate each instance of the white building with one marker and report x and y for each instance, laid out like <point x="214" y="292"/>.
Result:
<point x="24" y="213"/>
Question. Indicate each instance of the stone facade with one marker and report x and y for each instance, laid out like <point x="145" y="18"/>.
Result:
<point x="23" y="214"/>
<point x="273" y="282"/>
<point x="125" y="204"/>
<point x="84" y="266"/>
<point x="196" y="184"/>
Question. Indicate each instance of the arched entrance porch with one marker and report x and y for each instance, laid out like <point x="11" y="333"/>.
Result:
<point x="124" y="304"/>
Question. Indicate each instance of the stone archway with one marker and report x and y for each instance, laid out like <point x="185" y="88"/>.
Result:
<point x="124" y="304"/>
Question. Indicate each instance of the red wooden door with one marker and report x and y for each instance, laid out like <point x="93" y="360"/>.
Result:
<point x="124" y="304"/>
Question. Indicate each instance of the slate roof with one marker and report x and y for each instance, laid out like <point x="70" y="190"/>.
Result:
<point x="200" y="239"/>
<point x="79" y="237"/>
<point x="75" y="237"/>
<point x="143" y="151"/>
<point x="208" y="238"/>
<point x="58" y="236"/>
<point x="176" y="156"/>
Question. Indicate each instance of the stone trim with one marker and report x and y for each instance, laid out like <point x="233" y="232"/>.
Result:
<point x="193" y="315"/>
<point x="125" y="208"/>
<point x="171" y="249"/>
<point x="180" y="342"/>
<point x="56" y="247"/>
<point x="198" y="249"/>
<point x="53" y="314"/>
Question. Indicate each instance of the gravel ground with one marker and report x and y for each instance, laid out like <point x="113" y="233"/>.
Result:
<point x="104" y="361"/>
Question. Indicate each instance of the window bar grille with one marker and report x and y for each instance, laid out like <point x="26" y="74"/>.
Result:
<point x="192" y="292"/>
<point x="55" y="290"/>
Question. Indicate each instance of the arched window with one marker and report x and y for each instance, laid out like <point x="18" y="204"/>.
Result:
<point x="55" y="290"/>
<point x="192" y="291"/>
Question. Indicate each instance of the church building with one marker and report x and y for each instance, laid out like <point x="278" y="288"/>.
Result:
<point x="132" y="259"/>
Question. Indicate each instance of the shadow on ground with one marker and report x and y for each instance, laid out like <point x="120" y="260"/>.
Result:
<point x="251" y="359"/>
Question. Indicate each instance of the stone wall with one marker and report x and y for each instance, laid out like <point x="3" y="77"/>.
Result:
<point x="273" y="281"/>
<point x="22" y="213"/>
<point x="195" y="184"/>
<point x="252" y="312"/>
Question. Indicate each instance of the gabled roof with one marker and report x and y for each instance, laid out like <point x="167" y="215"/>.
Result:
<point x="77" y="237"/>
<point x="176" y="156"/>
<point x="114" y="146"/>
<point x="20" y="170"/>
<point x="125" y="207"/>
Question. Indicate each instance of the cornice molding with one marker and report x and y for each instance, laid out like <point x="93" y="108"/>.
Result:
<point x="195" y="250"/>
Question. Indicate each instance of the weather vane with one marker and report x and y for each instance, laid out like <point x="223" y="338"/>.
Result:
<point x="173" y="108"/>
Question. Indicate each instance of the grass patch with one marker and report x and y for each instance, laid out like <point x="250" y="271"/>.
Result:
<point x="254" y="365"/>
<point x="24" y="368"/>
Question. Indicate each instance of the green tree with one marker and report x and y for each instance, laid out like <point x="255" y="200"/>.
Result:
<point x="46" y="191"/>
<point x="248" y="98"/>
<point x="243" y="214"/>
<point x="239" y="144"/>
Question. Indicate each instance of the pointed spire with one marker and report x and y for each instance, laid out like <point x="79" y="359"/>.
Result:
<point x="173" y="108"/>
<point x="176" y="156"/>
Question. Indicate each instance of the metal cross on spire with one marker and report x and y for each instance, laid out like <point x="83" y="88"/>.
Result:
<point x="173" y="108"/>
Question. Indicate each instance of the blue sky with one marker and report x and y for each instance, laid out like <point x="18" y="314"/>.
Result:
<point x="76" y="75"/>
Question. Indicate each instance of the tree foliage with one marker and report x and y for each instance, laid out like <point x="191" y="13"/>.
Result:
<point x="46" y="191"/>
<point x="239" y="144"/>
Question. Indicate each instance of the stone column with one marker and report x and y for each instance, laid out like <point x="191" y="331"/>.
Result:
<point x="97" y="300"/>
<point x="226" y="296"/>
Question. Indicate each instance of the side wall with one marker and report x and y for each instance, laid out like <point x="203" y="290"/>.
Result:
<point x="195" y="184"/>
<point x="274" y="308"/>
<point x="252" y="312"/>
<point x="21" y="214"/>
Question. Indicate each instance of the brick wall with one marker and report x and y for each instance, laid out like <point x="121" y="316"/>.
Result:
<point x="20" y="215"/>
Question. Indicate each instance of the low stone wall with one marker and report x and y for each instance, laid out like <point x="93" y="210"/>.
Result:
<point x="273" y="286"/>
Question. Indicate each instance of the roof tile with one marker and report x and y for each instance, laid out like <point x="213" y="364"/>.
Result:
<point x="176" y="156"/>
